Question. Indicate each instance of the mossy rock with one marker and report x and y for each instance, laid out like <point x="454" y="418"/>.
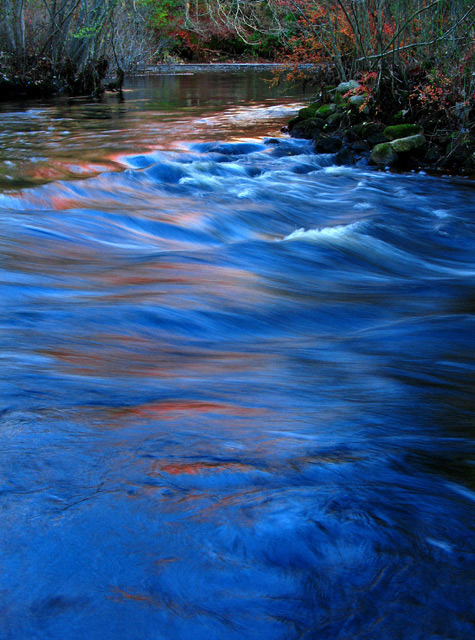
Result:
<point x="291" y="124"/>
<point x="367" y="130"/>
<point x="357" y="101"/>
<point x="307" y="128"/>
<point x="306" y="112"/>
<point x="383" y="155"/>
<point x="344" y="87"/>
<point x="326" y="110"/>
<point x="397" y="131"/>
<point x="372" y="129"/>
<point x="335" y="119"/>
<point x="337" y="98"/>
<point x="408" y="144"/>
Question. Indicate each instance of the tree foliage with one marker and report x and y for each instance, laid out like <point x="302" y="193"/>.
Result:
<point x="48" y="45"/>
<point x="396" y="39"/>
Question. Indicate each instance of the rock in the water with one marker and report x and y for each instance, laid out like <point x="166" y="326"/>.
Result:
<point x="327" y="144"/>
<point x="406" y="145"/>
<point x="344" y="87"/>
<point x="344" y="156"/>
<point x="383" y="155"/>
<point x="292" y="122"/>
<point x="402" y="131"/>
<point x="307" y="128"/>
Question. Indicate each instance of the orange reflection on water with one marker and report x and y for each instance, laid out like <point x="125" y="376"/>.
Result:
<point x="195" y="468"/>
<point x="168" y="409"/>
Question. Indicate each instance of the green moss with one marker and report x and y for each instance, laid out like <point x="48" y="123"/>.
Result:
<point x="337" y="98"/>
<point x="383" y="155"/>
<point x="307" y="128"/>
<point x="306" y="112"/>
<point x="369" y="130"/>
<point x="291" y="124"/>
<point x="397" y="131"/>
<point x="326" y="110"/>
<point x="335" y="119"/>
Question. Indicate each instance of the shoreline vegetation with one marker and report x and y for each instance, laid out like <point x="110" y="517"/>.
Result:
<point x="400" y="62"/>
<point x="340" y="121"/>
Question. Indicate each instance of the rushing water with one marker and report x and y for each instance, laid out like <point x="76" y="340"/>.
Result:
<point x="237" y="380"/>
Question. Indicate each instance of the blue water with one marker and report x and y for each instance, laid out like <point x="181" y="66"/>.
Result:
<point x="237" y="380"/>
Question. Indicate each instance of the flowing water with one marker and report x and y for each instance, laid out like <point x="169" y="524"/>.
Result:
<point x="237" y="380"/>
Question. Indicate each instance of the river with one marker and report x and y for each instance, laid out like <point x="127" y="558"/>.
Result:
<point x="237" y="380"/>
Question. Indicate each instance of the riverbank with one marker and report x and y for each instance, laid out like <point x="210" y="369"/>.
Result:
<point x="428" y="133"/>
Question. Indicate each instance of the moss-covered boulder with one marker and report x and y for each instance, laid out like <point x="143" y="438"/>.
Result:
<point x="292" y="122"/>
<point x="383" y="155"/>
<point x="326" y="110"/>
<point x="397" y="131"/>
<point x="306" y="112"/>
<point x="335" y="119"/>
<point x="307" y="128"/>
<point x="409" y="144"/>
